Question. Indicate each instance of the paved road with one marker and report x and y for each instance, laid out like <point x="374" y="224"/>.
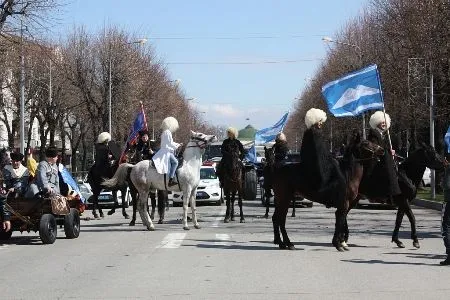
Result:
<point x="111" y="260"/>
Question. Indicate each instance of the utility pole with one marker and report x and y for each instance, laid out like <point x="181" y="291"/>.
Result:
<point x="433" y="178"/>
<point x="22" y="91"/>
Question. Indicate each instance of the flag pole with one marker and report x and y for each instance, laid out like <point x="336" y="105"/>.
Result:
<point x="384" y="112"/>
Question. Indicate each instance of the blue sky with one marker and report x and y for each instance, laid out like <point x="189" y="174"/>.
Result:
<point x="216" y="32"/>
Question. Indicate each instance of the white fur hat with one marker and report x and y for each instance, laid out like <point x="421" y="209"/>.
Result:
<point x="313" y="116"/>
<point x="103" y="137"/>
<point x="233" y="131"/>
<point x="170" y="123"/>
<point x="377" y="118"/>
<point x="281" y="137"/>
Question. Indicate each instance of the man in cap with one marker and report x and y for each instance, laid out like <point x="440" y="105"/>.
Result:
<point x="47" y="178"/>
<point x="16" y="175"/>
<point x="144" y="150"/>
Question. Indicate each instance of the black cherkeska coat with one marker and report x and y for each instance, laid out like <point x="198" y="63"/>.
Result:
<point x="102" y="166"/>
<point x="280" y="150"/>
<point x="381" y="179"/>
<point x="321" y="172"/>
<point x="230" y="146"/>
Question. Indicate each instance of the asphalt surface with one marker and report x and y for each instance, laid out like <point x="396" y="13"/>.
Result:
<point x="111" y="260"/>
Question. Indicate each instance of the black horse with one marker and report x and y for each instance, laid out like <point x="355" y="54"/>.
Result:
<point x="413" y="168"/>
<point x="232" y="184"/>
<point x="269" y="156"/>
<point x="289" y="179"/>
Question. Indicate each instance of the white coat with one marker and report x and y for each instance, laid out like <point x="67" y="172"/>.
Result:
<point x="161" y="158"/>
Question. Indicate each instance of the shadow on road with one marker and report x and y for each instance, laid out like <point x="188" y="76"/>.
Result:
<point x="383" y="262"/>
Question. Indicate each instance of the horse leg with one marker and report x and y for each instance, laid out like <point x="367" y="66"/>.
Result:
<point x="162" y="196"/>
<point x="116" y="203"/>
<point x="141" y="203"/>
<point x="186" y="199"/>
<point x="276" y="228"/>
<point x="233" y="198"/>
<point x="337" y="231"/>
<point x="95" y="204"/>
<point x="286" y="240"/>
<point x="134" y="196"/>
<point x="227" y="214"/>
<point x="398" y="223"/>
<point x="412" y="220"/>
<point x="194" y="210"/>
<point x="124" y="201"/>
<point x="267" y="202"/>
<point x="241" y="213"/>
<point x="344" y="234"/>
<point x="293" y="208"/>
<point x="153" y="200"/>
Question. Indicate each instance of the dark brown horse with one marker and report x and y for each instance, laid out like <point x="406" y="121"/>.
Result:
<point x="289" y="179"/>
<point x="232" y="184"/>
<point x="413" y="168"/>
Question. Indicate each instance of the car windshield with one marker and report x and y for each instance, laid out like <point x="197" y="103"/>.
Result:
<point x="213" y="151"/>
<point x="208" y="173"/>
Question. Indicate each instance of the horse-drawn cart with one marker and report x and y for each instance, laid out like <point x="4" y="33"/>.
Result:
<point x="43" y="215"/>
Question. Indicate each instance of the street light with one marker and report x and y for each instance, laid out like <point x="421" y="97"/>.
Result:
<point x="138" y="41"/>
<point x="358" y="50"/>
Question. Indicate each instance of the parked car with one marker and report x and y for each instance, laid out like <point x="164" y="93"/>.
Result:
<point x="208" y="190"/>
<point x="105" y="199"/>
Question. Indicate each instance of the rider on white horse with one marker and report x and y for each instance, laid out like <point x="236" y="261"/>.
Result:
<point x="165" y="160"/>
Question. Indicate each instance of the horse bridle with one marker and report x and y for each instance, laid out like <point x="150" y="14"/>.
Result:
<point x="372" y="151"/>
<point x="199" y="142"/>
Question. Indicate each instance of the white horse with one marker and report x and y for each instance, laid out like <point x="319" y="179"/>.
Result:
<point x="145" y="178"/>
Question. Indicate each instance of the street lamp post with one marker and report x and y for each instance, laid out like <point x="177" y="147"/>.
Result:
<point x="139" y="41"/>
<point x="359" y="53"/>
<point x="22" y="91"/>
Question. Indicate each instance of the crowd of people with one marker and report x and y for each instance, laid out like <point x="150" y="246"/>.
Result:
<point x="323" y="170"/>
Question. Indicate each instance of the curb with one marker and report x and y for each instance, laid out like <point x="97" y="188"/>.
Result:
<point x="427" y="204"/>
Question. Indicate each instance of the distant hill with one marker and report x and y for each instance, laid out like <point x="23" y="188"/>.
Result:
<point x="248" y="133"/>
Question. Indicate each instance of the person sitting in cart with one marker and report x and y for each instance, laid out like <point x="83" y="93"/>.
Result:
<point x="16" y="175"/>
<point x="47" y="178"/>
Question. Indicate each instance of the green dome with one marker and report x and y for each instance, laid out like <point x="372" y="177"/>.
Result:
<point x="248" y="133"/>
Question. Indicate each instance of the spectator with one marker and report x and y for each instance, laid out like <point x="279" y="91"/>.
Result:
<point x="15" y="175"/>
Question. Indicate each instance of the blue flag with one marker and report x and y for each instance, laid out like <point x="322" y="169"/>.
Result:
<point x="251" y="154"/>
<point x="140" y="123"/>
<point x="269" y="134"/>
<point x="68" y="179"/>
<point x="447" y="139"/>
<point x="354" y="93"/>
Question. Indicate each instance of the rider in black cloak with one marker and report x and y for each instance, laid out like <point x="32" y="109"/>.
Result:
<point x="381" y="181"/>
<point x="321" y="170"/>
<point x="101" y="169"/>
<point x="229" y="146"/>
<point x="280" y="150"/>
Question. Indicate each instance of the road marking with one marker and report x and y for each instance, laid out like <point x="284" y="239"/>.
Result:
<point x="172" y="241"/>
<point x="3" y="247"/>
<point x="219" y="218"/>
<point x="222" y="239"/>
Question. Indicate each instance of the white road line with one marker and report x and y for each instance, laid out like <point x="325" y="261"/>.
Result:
<point x="3" y="247"/>
<point x="172" y="240"/>
<point x="222" y="239"/>
<point x="219" y="218"/>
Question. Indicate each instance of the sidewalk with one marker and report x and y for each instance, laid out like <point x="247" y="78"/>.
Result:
<point x="427" y="204"/>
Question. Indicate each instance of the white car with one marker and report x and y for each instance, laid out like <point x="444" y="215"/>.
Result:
<point x="105" y="199"/>
<point x="208" y="189"/>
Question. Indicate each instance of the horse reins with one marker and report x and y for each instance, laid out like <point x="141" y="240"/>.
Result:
<point x="199" y="142"/>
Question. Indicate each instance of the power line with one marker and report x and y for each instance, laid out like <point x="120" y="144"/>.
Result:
<point x="267" y="62"/>
<point x="248" y="37"/>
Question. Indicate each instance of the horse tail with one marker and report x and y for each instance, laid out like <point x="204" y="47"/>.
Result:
<point x="119" y="178"/>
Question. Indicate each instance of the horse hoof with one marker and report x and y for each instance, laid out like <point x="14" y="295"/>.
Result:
<point x="197" y="226"/>
<point x="186" y="228"/>
<point x="227" y="220"/>
<point x="112" y="211"/>
<point x="291" y="247"/>
<point x="282" y="246"/>
<point x="340" y="249"/>
<point x="132" y="223"/>
<point x="232" y="219"/>
<point x="242" y="220"/>
<point x="126" y="217"/>
<point x="161" y="221"/>
<point x="399" y="243"/>
<point x="416" y="244"/>
<point x="293" y="216"/>
<point x="101" y="215"/>
<point x="266" y="216"/>
<point x="345" y="246"/>
<point x="151" y="228"/>
<point x="152" y="217"/>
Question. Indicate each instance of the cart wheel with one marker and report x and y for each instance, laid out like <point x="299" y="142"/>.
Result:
<point x="47" y="229"/>
<point x="72" y="224"/>
<point x="5" y="235"/>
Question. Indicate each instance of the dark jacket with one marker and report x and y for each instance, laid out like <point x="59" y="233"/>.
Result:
<point x="144" y="151"/>
<point x="230" y="146"/>
<point x="321" y="171"/>
<point x="381" y="177"/>
<point x="280" y="150"/>
<point x="102" y="166"/>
